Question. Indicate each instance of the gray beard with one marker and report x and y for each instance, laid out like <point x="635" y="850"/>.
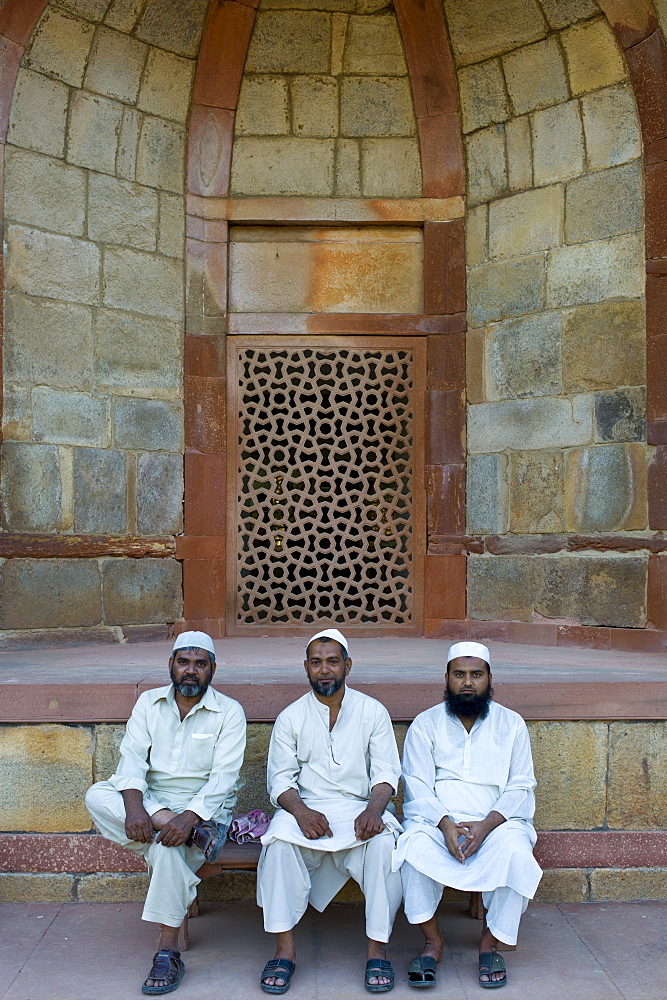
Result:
<point x="191" y="690"/>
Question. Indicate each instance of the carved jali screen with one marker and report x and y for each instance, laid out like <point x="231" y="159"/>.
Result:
<point x="327" y="484"/>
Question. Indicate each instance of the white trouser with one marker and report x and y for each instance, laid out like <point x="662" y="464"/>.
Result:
<point x="173" y="883"/>
<point x="288" y="876"/>
<point x="422" y="894"/>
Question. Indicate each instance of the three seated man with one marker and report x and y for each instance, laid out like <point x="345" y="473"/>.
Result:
<point x="333" y="768"/>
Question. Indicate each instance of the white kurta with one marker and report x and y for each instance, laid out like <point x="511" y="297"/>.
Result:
<point x="334" y="773"/>
<point x="450" y="772"/>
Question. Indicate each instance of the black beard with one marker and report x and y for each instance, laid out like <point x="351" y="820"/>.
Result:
<point x="326" y="688"/>
<point x="470" y="706"/>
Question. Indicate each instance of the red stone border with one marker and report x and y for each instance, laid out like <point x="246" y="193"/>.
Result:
<point x="628" y="640"/>
<point x="15" y="545"/>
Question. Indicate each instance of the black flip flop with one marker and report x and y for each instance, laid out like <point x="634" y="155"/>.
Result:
<point x="490" y="962"/>
<point x="422" y="972"/>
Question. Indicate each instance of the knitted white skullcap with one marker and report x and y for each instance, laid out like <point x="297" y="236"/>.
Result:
<point x="331" y="633"/>
<point x="469" y="649"/>
<point x="199" y="639"/>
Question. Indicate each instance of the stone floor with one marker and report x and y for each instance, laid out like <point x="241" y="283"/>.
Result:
<point x="587" y="951"/>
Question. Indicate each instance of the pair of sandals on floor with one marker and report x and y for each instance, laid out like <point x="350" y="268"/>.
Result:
<point x="422" y="973"/>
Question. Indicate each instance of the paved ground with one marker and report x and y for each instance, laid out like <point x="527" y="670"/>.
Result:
<point x="100" y="951"/>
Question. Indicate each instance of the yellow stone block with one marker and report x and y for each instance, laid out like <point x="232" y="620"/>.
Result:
<point x="113" y="887"/>
<point x="229" y="887"/>
<point x="623" y="885"/>
<point x="570" y="761"/>
<point x="31" y="888"/>
<point x="107" y="750"/>
<point x="593" y="56"/>
<point x="637" y="780"/>
<point x="562" y="885"/>
<point x="166" y="85"/>
<point x="45" y="771"/>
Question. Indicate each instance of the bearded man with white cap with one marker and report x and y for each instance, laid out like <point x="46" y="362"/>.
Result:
<point x="469" y="805"/>
<point x="173" y="792"/>
<point x="333" y="767"/>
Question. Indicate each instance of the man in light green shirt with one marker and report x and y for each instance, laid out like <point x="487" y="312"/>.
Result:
<point x="173" y="792"/>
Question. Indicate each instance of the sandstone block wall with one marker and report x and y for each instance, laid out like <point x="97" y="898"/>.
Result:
<point x="556" y="352"/>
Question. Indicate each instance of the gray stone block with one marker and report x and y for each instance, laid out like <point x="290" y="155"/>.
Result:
<point x="604" y="346"/>
<point x="506" y="288"/>
<point x="376" y="106"/>
<point x="289" y="165"/>
<point x="604" y="204"/>
<point x="143" y="283"/>
<point x="70" y="418"/>
<point x="148" y="425"/>
<point x="57" y="267"/>
<point x="124" y="14"/>
<point x="137" y="352"/>
<point x="290" y="42"/>
<point x="165" y="85"/>
<point x="558" y="143"/>
<point x="593" y="589"/>
<point x="115" y="65"/>
<point x="175" y="26"/>
<point x="92" y="9"/>
<point x="50" y="593"/>
<point x="486" y="495"/>
<point x="483" y="98"/>
<point x="390" y="168"/>
<point x="16" y="413"/>
<point x="545" y="422"/>
<point x="595" y="271"/>
<point x="611" y="127"/>
<point x="38" y="113"/>
<point x="44" y="192"/>
<point x="501" y="587"/>
<point x="160" y="494"/>
<point x="620" y="415"/>
<point x="141" y="591"/>
<point x="94" y="127"/>
<point x="536" y="76"/>
<point x="606" y="488"/>
<point x="374" y="46"/>
<point x="161" y="154"/>
<point x="486" y="162"/>
<point x="537" y="501"/>
<point x="171" y="239"/>
<point x="121" y="212"/>
<point x="99" y="491"/>
<point x="128" y="142"/>
<point x="523" y="357"/>
<point x="31" y="491"/>
<point x="60" y="45"/>
<point x="48" y="343"/>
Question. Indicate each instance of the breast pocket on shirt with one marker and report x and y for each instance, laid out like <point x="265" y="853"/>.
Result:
<point x="202" y="746"/>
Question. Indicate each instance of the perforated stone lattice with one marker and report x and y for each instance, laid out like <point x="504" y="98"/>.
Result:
<point x="325" y="487"/>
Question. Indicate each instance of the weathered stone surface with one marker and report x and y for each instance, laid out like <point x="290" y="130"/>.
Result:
<point x="376" y="106"/>
<point x="53" y="766"/>
<point x="596" y="271"/>
<point x="60" y="46"/>
<point x="16" y="887"/>
<point x="47" y="342"/>
<point x="230" y="887"/>
<point x="500" y="587"/>
<point x="50" y="593"/>
<point x="536" y="76"/>
<point x="541" y="423"/>
<point x="478" y="31"/>
<point x="558" y="143"/>
<point x="263" y="106"/>
<point x="506" y="288"/>
<point x="476" y="235"/>
<point x="145" y="284"/>
<point x="603" y="346"/>
<point x="487" y="169"/>
<point x="161" y="154"/>
<point x="40" y="191"/>
<point x="482" y="95"/>
<point x="16" y="413"/>
<point x="348" y="176"/>
<point x="593" y="56"/>
<point x="526" y="222"/>
<point x="611" y="127"/>
<point x="136" y="352"/>
<point x="148" y="424"/>
<point x="92" y="9"/>
<point x="128" y="141"/>
<point x="113" y="887"/>
<point x="38" y="113"/>
<point x="291" y="165"/>
<point x="374" y="47"/>
<point x="160" y="494"/>
<point x="569" y="755"/>
<point x="390" y="168"/>
<point x="69" y="418"/>
<point x="30" y="487"/>
<point x="625" y="884"/>
<point x="606" y="488"/>
<point x="475" y="366"/>
<point x="175" y="26"/>
<point x="561" y="13"/>
<point x="115" y="65"/>
<point x="290" y="42"/>
<point x="620" y="415"/>
<point x="519" y="154"/>
<point x="165" y="85"/>
<point x="604" y="204"/>
<point x="171" y="236"/>
<point x="124" y="14"/>
<point x="106" y="750"/>
<point x="562" y="885"/>
<point x="94" y="127"/>
<point x="486" y="495"/>
<point x="524" y="357"/>
<point x="122" y="212"/>
<point x="594" y="589"/>
<point x="637" y="782"/>
<point x="536" y="492"/>
<point x="99" y="491"/>
<point x="57" y="267"/>
<point x="138" y="591"/>
<point x="314" y="105"/>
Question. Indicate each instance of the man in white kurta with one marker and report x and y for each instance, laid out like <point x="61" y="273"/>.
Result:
<point x="469" y="804"/>
<point x="174" y="789"/>
<point x="333" y="766"/>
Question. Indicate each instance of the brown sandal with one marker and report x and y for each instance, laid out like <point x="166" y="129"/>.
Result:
<point x="167" y="965"/>
<point x="208" y="837"/>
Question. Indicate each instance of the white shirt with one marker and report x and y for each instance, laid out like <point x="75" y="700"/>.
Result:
<point x="190" y="764"/>
<point x="450" y="772"/>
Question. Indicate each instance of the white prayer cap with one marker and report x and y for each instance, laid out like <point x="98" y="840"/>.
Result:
<point x="330" y="633"/>
<point x="469" y="649"/>
<point x="199" y="639"/>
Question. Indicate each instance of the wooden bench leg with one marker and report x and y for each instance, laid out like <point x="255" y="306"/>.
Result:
<point x="475" y="906"/>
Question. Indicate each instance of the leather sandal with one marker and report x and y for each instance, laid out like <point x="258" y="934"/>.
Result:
<point x="167" y="965"/>
<point x="490" y="962"/>
<point x="376" y="967"/>
<point x="422" y="972"/>
<point x="277" y="968"/>
<point x="208" y="837"/>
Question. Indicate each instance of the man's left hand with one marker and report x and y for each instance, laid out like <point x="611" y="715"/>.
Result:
<point x="475" y="832"/>
<point x="177" y="830"/>
<point x="367" y="824"/>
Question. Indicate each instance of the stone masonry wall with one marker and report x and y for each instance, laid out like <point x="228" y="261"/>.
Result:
<point x="325" y="106"/>
<point x="94" y="226"/>
<point x="556" y="345"/>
